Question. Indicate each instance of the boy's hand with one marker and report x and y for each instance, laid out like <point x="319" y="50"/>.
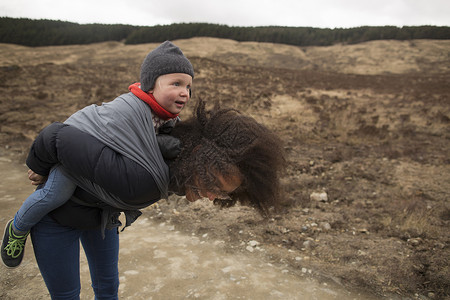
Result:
<point x="36" y="179"/>
<point x="170" y="146"/>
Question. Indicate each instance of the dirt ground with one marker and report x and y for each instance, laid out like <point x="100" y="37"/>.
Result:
<point x="159" y="262"/>
<point x="366" y="128"/>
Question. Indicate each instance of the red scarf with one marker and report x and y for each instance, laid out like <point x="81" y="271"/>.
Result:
<point x="148" y="98"/>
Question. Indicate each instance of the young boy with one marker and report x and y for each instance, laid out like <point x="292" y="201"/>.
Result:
<point x="125" y="125"/>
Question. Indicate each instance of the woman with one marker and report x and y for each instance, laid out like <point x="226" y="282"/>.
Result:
<point x="224" y="154"/>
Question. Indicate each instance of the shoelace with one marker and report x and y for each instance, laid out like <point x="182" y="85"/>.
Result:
<point x="15" y="244"/>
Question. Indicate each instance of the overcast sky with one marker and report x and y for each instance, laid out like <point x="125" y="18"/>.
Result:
<point x="309" y="13"/>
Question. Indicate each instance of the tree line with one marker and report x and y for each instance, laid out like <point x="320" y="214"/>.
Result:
<point x="30" y="32"/>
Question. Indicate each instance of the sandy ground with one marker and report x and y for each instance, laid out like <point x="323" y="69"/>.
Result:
<point x="366" y="125"/>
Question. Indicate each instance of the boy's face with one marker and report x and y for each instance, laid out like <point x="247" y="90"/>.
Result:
<point x="171" y="91"/>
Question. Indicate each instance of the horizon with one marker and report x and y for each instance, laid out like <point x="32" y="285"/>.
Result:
<point x="59" y="20"/>
<point x="236" y="13"/>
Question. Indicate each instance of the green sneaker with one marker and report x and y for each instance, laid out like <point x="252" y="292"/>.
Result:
<point x="13" y="247"/>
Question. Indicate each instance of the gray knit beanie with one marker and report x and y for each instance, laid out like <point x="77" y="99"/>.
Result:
<point x="165" y="59"/>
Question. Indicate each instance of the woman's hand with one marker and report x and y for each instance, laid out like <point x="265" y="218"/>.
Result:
<point x="36" y="179"/>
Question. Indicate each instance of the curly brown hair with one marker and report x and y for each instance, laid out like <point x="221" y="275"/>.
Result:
<point x="223" y="139"/>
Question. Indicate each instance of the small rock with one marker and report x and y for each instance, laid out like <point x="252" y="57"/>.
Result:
<point x="307" y="244"/>
<point x="321" y="196"/>
<point x="250" y="249"/>
<point x="253" y="243"/>
<point x="325" y="226"/>
<point x="414" y="241"/>
<point x="362" y="253"/>
<point x="284" y="230"/>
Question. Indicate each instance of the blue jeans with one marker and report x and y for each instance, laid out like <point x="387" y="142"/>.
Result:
<point x="53" y="193"/>
<point x="57" y="251"/>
